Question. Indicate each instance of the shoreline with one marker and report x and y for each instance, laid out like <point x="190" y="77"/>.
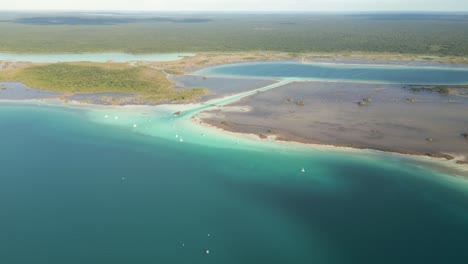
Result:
<point x="372" y="57"/>
<point x="196" y="64"/>
<point x="458" y="161"/>
<point x="460" y="169"/>
<point x="439" y="163"/>
<point x="297" y="139"/>
<point x="341" y="62"/>
<point x="445" y="158"/>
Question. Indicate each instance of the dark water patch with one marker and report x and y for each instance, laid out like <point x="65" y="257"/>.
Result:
<point x="374" y="221"/>
<point x="68" y="20"/>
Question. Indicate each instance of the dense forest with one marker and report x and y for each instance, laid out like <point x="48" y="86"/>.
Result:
<point x="438" y="35"/>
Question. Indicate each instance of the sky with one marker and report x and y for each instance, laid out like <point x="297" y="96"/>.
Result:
<point x="238" y="5"/>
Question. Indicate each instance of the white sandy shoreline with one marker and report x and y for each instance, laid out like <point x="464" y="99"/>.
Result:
<point x="443" y="165"/>
<point x="451" y="165"/>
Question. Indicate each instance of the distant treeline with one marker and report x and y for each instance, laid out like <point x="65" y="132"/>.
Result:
<point x="438" y="35"/>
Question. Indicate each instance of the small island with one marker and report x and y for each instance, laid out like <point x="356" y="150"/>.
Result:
<point x="144" y="83"/>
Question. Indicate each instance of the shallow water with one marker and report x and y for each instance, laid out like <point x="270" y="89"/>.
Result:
<point x="219" y="87"/>
<point x="97" y="98"/>
<point x="391" y="62"/>
<point x="92" y="57"/>
<point x="82" y="186"/>
<point x="19" y="91"/>
<point x="331" y="115"/>
<point x="343" y="72"/>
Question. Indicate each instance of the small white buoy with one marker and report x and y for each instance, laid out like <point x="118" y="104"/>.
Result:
<point x="181" y="140"/>
<point x="116" y="117"/>
<point x="123" y="178"/>
<point x="302" y="170"/>
<point x="134" y="125"/>
<point x="176" y="136"/>
<point x="207" y="251"/>
<point x="106" y="116"/>
<point x="183" y="244"/>
<point x="208" y="234"/>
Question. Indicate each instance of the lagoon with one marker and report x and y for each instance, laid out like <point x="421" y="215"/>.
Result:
<point x="341" y="72"/>
<point x="79" y="185"/>
<point x="137" y="184"/>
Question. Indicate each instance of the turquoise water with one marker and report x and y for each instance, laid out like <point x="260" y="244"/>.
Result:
<point x="84" y="185"/>
<point x="92" y="57"/>
<point x="367" y="73"/>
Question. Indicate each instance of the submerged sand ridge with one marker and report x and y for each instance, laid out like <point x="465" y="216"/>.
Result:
<point x="432" y="124"/>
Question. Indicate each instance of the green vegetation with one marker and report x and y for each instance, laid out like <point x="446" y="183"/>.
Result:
<point x="433" y="89"/>
<point x="364" y="101"/>
<point x="437" y="155"/>
<point x="290" y="100"/>
<point x="436" y="35"/>
<point x="145" y="82"/>
<point x="224" y="123"/>
<point x="78" y="78"/>
<point x="271" y="131"/>
<point x="300" y="103"/>
<point x="203" y="62"/>
<point x="411" y="100"/>
<point x="173" y="72"/>
<point x="441" y="89"/>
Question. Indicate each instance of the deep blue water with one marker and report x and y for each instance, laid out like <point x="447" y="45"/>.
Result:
<point x="75" y="191"/>
<point x="387" y="74"/>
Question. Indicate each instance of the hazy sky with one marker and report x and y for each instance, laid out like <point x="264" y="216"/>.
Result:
<point x="238" y="5"/>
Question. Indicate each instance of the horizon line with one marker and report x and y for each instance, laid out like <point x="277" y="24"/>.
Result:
<point x="235" y="11"/>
